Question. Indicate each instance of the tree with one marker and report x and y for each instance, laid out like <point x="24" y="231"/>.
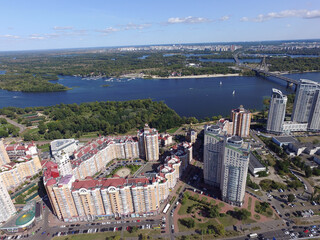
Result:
<point x="188" y="222"/>
<point x="213" y="211"/>
<point x="308" y="172"/>
<point x="42" y="127"/>
<point x="291" y="197"/>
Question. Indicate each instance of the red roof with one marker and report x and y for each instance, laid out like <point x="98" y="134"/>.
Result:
<point x="51" y="182"/>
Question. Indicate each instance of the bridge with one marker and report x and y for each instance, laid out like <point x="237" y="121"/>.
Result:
<point x="263" y="69"/>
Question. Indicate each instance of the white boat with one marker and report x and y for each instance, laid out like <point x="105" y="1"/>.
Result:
<point x="234" y="92"/>
<point x="220" y="83"/>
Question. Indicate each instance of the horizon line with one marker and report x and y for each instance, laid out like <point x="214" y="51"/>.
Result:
<point x="163" y="44"/>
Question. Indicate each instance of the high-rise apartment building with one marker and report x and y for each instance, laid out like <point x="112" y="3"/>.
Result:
<point x="306" y="107"/>
<point x="149" y="143"/>
<point x="7" y="208"/>
<point x="277" y="111"/>
<point x="212" y="157"/>
<point x="226" y="162"/>
<point x="4" y="158"/>
<point x="241" y="119"/>
<point x="234" y="169"/>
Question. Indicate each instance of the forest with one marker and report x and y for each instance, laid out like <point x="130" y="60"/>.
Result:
<point x="294" y="64"/>
<point x="106" y="118"/>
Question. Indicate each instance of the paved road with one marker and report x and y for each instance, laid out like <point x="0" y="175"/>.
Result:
<point x="20" y="126"/>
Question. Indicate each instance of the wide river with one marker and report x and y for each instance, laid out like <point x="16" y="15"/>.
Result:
<point x="188" y="97"/>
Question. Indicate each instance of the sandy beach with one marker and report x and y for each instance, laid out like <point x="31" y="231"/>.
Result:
<point x="199" y="76"/>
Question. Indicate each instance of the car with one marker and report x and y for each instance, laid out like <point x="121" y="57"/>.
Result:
<point x="43" y="232"/>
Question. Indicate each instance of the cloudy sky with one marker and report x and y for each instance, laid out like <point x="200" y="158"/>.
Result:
<point x="27" y="25"/>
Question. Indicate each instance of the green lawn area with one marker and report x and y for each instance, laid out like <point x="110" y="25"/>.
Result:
<point x="90" y="236"/>
<point x="271" y="159"/>
<point x="90" y="135"/>
<point x="198" y="225"/>
<point x="221" y="204"/>
<point x="247" y="221"/>
<point x="147" y="232"/>
<point x="227" y="220"/>
<point x="184" y="207"/>
<point x="268" y="213"/>
<point x="44" y="147"/>
<point x="249" y="203"/>
<point x="172" y="130"/>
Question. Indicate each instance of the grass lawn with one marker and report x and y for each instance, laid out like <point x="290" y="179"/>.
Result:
<point x="90" y="135"/>
<point x="44" y="147"/>
<point x="90" y="236"/>
<point x="147" y="232"/>
<point x="249" y="203"/>
<point x="227" y="220"/>
<point x="271" y="159"/>
<point x="184" y="207"/>
<point x="198" y="225"/>
<point x="268" y="213"/>
<point x="247" y="221"/>
<point x="172" y="130"/>
<point x="221" y="204"/>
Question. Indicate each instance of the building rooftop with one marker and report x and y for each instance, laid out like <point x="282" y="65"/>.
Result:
<point x="254" y="162"/>
<point x="285" y="139"/>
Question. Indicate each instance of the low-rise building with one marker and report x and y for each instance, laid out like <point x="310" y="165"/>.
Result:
<point x="255" y="166"/>
<point x="191" y="135"/>
<point x="165" y="139"/>
<point x="283" y="140"/>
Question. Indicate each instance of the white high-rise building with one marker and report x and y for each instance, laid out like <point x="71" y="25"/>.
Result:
<point x="63" y="161"/>
<point x="212" y="155"/>
<point x="149" y="143"/>
<point x="306" y="107"/>
<point x="234" y="170"/>
<point x="226" y="161"/>
<point x="277" y="111"/>
<point x="4" y="158"/>
<point x="7" y="208"/>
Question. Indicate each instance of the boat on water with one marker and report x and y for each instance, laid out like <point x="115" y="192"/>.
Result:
<point x="220" y="83"/>
<point x="234" y="92"/>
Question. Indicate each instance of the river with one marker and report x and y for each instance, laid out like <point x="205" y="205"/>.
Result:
<point x="188" y="97"/>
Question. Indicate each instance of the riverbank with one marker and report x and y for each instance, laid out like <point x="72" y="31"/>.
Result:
<point x="198" y="76"/>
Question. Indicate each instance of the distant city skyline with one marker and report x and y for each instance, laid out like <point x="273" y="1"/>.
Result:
<point x="33" y="25"/>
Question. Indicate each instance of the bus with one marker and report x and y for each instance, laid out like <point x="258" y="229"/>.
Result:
<point x="253" y="235"/>
<point x="165" y="210"/>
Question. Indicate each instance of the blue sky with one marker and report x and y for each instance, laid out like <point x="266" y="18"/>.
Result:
<point x="27" y="25"/>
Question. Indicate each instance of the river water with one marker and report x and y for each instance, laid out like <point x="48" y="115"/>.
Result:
<point x="188" y="97"/>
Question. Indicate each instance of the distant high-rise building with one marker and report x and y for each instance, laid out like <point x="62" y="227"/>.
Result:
<point x="306" y="107"/>
<point x="234" y="169"/>
<point x="191" y="135"/>
<point x="277" y="111"/>
<point x="241" y="119"/>
<point x="149" y="143"/>
<point x="212" y="155"/>
<point x="7" y="208"/>
<point x="4" y="158"/>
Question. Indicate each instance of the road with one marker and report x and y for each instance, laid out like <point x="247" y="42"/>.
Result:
<point x="20" y="126"/>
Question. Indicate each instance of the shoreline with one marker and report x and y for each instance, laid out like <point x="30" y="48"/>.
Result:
<point x="198" y="76"/>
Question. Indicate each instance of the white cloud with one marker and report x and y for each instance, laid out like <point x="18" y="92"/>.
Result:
<point x="62" y="28"/>
<point x="130" y="26"/>
<point x="9" y="36"/>
<point x="188" y="20"/>
<point x="109" y="30"/>
<point x="224" y="18"/>
<point x="303" y="13"/>
<point x="244" y="19"/>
